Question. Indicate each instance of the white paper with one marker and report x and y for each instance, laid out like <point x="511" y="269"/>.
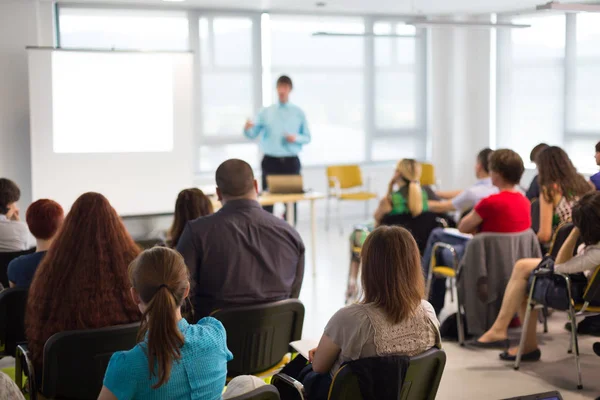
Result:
<point x="457" y="233"/>
<point x="304" y="346"/>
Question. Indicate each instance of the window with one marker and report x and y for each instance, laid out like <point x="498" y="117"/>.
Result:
<point x="587" y="78"/>
<point x="329" y="84"/>
<point x="532" y="89"/>
<point x="122" y="29"/>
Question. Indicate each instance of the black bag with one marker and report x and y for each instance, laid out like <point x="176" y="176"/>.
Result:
<point x="551" y="290"/>
<point x="449" y="328"/>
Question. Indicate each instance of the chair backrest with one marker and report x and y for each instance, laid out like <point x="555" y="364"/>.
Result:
<point x="267" y="392"/>
<point x="420" y="226"/>
<point x="75" y="361"/>
<point x="421" y="382"/>
<point x="12" y="314"/>
<point x="5" y="259"/>
<point x="559" y="237"/>
<point x="427" y="174"/>
<point x="349" y="176"/>
<point x="592" y="291"/>
<point x="535" y="215"/>
<point x="259" y="335"/>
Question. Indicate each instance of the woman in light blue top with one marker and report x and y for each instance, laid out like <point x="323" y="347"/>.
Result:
<point x="174" y="359"/>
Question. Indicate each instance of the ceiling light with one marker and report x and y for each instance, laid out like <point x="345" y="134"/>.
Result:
<point x="572" y="7"/>
<point x="467" y="24"/>
<point x="393" y="35"/>
<point x="173" y="1"/>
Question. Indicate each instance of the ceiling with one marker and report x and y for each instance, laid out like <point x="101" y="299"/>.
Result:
<point x="361" y="7"/>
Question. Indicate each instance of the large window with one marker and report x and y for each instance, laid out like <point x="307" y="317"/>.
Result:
<point x="548" y="85"/>
<point x="360" y="81"/>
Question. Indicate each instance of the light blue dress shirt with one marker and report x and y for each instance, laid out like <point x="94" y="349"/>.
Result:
<point x="199" y="375"/>
<point x="473" y="195"/>
<point x="273" y="123"/>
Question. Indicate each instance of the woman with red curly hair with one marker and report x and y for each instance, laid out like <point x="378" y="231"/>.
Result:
<point x="82" y="282"/>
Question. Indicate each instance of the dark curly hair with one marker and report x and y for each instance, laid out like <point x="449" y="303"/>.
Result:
<point x="190" y="204"/>
<point x="558" y="175"/>
<point x="9" y="193"/>
<point x="82" y="282"/>
<point x="586" y="217"/>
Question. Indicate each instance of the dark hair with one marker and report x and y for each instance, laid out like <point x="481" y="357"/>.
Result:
<point x="392" y="277"/>
<point x="535" y="152"/>
<point x="508" y="164"/>
<point x="160" y="277"/>
<point x="235" y="178"/>
<point x="483" y="158"/>
<point x="9" y="193"/>
<point x="557" y="173"/>
<point x="586" y="217"/>
<point x="285" y="80"/>
<point x="82" y="281"/>
<point x="44" y="217"/>
<point x="190" y="204"/>
<point x="598" y="147"/>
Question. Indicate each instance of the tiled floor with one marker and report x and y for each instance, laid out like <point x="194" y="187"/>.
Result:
<point x="469" y="374"/>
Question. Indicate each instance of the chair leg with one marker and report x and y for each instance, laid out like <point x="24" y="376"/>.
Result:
<point x="523" y="334"/>
<point x="545" y="316"/>
<point x="575" y="345"/>
<point x="459" y="320"/>
<point x="339" y="216"/>
<point x="570" y="350"/>
<point x="451" y="290"/>
<point x="327" y="208"/>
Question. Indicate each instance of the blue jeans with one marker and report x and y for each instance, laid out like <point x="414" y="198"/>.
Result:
<point x="437" y="295"/>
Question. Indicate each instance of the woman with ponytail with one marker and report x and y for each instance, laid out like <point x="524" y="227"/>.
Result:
<point x="173" y="359"/>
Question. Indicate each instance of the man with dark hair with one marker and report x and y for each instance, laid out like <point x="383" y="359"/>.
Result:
<point x="595" y="179"/>
<point x="534" y="189"/>
<point x="240" y="255"/>
<point x="465" y="200"/>
<point x="282" y="130"/>
<point x="14" y="235"/>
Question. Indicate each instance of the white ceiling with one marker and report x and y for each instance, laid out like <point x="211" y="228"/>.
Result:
<point x="394" y="7"/>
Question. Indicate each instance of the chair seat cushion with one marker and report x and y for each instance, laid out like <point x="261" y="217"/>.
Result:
<point x="358" y="196"/>
<point x="444" y="271"/>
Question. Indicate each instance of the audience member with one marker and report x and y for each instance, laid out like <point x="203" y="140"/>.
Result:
<point x="393" y="318"/>
<point x="43" y="217"/>
<point x="465" y="200"/>
<point x="8" y="389"/>
<point x="190" y="204"/>
<point x="586" y="218"/>
<point x="561" y="186"/>
<point x="595" y="179"/>
<point x="534" y="188"/>
<point x="241" y="254"/>
<point x="505" y="212"/>
<point x="82" y="281"/>
<point x="14" y="235"/>
<point x="174" y="359"/>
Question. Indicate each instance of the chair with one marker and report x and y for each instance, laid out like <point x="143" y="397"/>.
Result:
<point x="427" y="174"/>
<point x="259" y="335"/>
<point x="535" y="215"/>
<point x="267" y="392"/>
<point x="12" y="315"/>
<point x="5" y="259"/>
<point x="559" y="237"/>
<point x="345" y="183"/>
<point x="74" y="362"/>
<point x="421" y="381"/>
<point x="485" y="270"/>
<point x="576" y="310"/>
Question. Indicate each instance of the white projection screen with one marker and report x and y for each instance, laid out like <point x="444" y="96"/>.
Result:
<point x="118" y="123"/>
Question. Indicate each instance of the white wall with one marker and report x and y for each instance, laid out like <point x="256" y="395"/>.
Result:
<point x="22" y="23"/>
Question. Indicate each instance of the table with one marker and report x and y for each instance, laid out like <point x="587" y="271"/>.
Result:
<point x="267" y="199"/>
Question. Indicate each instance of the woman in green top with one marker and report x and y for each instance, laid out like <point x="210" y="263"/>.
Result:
<point x="405" y="196"/>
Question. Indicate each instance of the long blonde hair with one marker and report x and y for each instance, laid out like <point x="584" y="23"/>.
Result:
<point x="409" y="171"/>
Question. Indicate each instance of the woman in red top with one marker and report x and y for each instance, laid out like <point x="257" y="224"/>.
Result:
<point x="505" y="212"/>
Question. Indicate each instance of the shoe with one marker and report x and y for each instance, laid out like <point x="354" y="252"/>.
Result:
<point x="531" y="356"/>
<point x="498" y="344"/>
<point x="589" y="326"/>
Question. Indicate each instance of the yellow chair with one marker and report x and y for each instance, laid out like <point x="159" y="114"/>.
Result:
<point x="345" y="183"/>
<point x="427" y="174"/>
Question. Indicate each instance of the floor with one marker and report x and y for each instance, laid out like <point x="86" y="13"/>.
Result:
<point x="469" y="374"/>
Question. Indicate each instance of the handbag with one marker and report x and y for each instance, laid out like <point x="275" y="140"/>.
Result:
<point x="551" y="289"/>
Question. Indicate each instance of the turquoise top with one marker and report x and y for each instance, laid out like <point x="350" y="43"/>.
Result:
<point x="199" y="375"/>
<point x="274" y="123"/>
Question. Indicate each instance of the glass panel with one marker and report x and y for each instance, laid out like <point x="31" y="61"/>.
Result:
<point x="390" y="51"/>
<point x="334" y="108"/>
<point x="123" y="29"/>
<point x="390" y="148"/>
<point x="229" y="40"/>
<point x="583" y="154"/>
<point x="587" y="75"/>
<point x="544" y="40"/>
<point x="395" y="100"/>
<point x="226" y="102"/>
<point x="212" y="156"/>
<point x="294" y="45"/>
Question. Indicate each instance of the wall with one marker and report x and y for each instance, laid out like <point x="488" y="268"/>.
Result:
<point x="22" y="23"/>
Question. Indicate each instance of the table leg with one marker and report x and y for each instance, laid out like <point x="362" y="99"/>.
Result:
<point x="313" y="236"/>
<point x="290" y="213"/>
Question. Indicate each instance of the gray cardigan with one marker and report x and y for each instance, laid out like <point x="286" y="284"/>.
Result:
<point x="485" y="270"/>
